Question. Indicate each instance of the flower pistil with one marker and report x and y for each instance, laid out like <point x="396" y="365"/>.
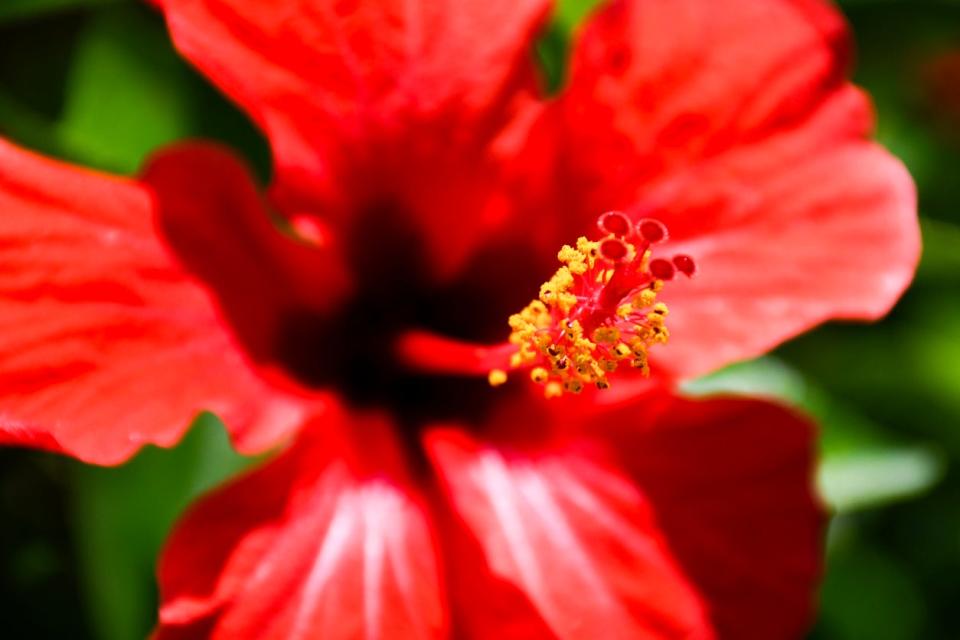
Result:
<point x="598" y="312"/>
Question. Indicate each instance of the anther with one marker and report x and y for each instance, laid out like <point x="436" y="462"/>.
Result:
<point x="497" y="377"/>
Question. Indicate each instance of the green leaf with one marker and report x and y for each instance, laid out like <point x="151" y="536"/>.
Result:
<point x="553" y="47"/>
<point x="569" y="14"/>
<point x="897" y="41"/>
<point x="128" y="92"/>
<point x="23" y="9"/>
<point x="933" y="343"/>
<point x="941" y="258"/>
<point x="123" y="514"/>
<point x="28" y="128"/>
<point x="870" y="594"/>
<point x="552" y="54"/>
<point x="766" y="377"/>
<point x="854" y="481"/>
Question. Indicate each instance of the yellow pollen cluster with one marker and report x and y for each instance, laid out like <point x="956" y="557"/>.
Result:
<point x="572" y="336"/>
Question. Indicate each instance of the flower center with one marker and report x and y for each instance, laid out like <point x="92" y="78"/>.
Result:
<point x="598" y="312"/>
<point x="353" y="348"/>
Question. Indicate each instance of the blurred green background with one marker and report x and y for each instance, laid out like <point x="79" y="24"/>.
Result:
<point x="97" y="82"/>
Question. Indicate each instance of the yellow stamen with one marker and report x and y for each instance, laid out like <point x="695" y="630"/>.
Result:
<point x="539" y="375"/>
<point x="497" y="377"/>
<point x="550" y="337"/>
<point x="598" y="311"/>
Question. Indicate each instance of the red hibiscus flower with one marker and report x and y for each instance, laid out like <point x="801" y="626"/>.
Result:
<point x="423" y="186"/>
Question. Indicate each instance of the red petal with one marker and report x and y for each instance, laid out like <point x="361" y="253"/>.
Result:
<point x="106" y="344"/>
<point x="658" y="85"/>
<point x="322" y="542"/>
<point x="836" y="237"/>
<point x="222" y="231"/>
<point x="413" y="109"/>
<point x="730" y="121"/>
<point x="655" y="516"/>
<point x="731" y="485"/>
<point x="573" y="534"/>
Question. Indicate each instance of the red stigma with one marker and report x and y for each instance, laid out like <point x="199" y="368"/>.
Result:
<point x="661" y="269"/>
<point x="615" y="223"/>
<point x="614" y="249"/>
<point x="652" y="231"/>
<point x="685" y="265"/>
